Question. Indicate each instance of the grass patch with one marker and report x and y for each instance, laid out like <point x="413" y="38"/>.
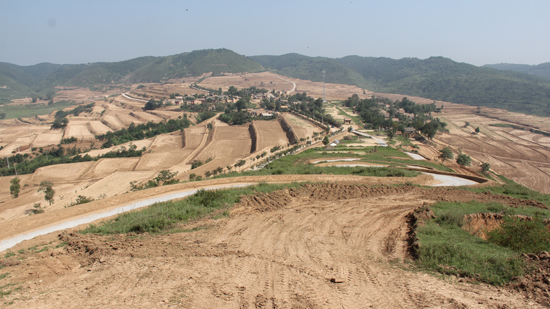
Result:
<point x="4" y="291"/>
<point x="516" y="190"/>
<point x="296" y="165"/>
<point x="164" y="217"/>
<point x="523" y="236"/>
<point x="356" y="119"/>
<point x="31" y="110"/>
<point x="446" y="248"/>
<point x="404" y="141"/>
<point x="62" y="244"/>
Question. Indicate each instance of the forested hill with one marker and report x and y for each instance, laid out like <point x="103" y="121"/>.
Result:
<point x="435" y="78"/>
<point x="542" y="70"/>
<point x="20" y="81"/>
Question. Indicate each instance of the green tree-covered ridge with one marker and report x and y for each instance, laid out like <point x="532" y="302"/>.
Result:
<point x="435" y="78"/>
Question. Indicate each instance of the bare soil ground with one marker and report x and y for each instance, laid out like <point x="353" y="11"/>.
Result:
<point x="270" y="133"/>
<point x="302" y="127"/>
<point x="260" y="80"/>
<point x="516" y="154"/>
<point x="97" y="127"/>
<point x="281" y="83"/>
<point x="78" y="130"/>
<point x="229" y="144"/>
<point x="274" y="251"/>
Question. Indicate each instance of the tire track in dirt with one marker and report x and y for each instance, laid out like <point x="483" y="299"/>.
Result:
<point x="276" y="250"/>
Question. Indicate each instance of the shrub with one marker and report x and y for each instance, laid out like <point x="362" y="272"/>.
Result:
<point x="522" y="235"/>
<point x="463" y="159"/>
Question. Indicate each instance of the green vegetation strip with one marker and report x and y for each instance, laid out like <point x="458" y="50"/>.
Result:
<point x="164" y="217"/>
<point x="26" y="165"/>
<point x="356" y="119"/>
<point x="31" y="110"/>
<point x="295" y="164"/>
<point x="382" y="155"/>
<point x="513" y="189"/>
<point x="446" y="248"/>
<point x="142" y="131"/>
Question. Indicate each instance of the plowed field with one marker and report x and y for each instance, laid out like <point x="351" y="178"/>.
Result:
<point x="516" y="154"/>
<point x="229" y="143"/>
<point x="302" y="127"/>
<point x="270" y="133"/>
<point x="274" y="251"/>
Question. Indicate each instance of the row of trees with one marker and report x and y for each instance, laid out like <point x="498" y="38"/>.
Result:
<point x="23" y="164"/>
<point x="462" y="159"/>
<point x="142" y="131"/>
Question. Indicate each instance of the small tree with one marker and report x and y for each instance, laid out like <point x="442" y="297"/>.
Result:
<point x="207" y="174"/>
<point x="59" y="123"/>
<point x="445" y="154"/>
<point x="485" y="167"/>
<point x="390" y="134"/>
<point x="15" y="187"/>
<point x="46" y="187"/>
<point x="325" y="140"/>
<point x="463" y="159"/>
<point x="166" y="177"/>
<point x="477" y="130"/>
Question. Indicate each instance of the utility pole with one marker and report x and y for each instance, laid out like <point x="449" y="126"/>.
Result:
<point x="324" y="99"/>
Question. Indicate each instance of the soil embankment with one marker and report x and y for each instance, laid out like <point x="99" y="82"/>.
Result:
<point x="287" y="127"/>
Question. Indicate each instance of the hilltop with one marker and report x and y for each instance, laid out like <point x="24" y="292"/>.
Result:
<point x="23" y="81"/>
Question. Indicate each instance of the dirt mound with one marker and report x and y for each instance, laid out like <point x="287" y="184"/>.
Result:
<point x="480" y="224"/>
<point x="536" y="285"/>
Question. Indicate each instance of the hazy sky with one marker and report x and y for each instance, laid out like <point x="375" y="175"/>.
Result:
<point x="477" y="32"/>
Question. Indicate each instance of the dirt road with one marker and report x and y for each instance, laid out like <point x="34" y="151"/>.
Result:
<point x="274" y="251"/>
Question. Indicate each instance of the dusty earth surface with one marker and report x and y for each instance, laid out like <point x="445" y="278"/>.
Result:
<point x="520" y="155"/>
<point x="321" y="246"/>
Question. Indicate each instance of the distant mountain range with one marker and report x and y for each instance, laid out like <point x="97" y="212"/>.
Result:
<point x="542" y="70"/>
<point x="521" y="88"/>
<point x="20" y="81"/>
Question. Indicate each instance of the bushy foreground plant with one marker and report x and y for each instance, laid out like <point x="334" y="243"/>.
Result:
<point x="522" y="235"/>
